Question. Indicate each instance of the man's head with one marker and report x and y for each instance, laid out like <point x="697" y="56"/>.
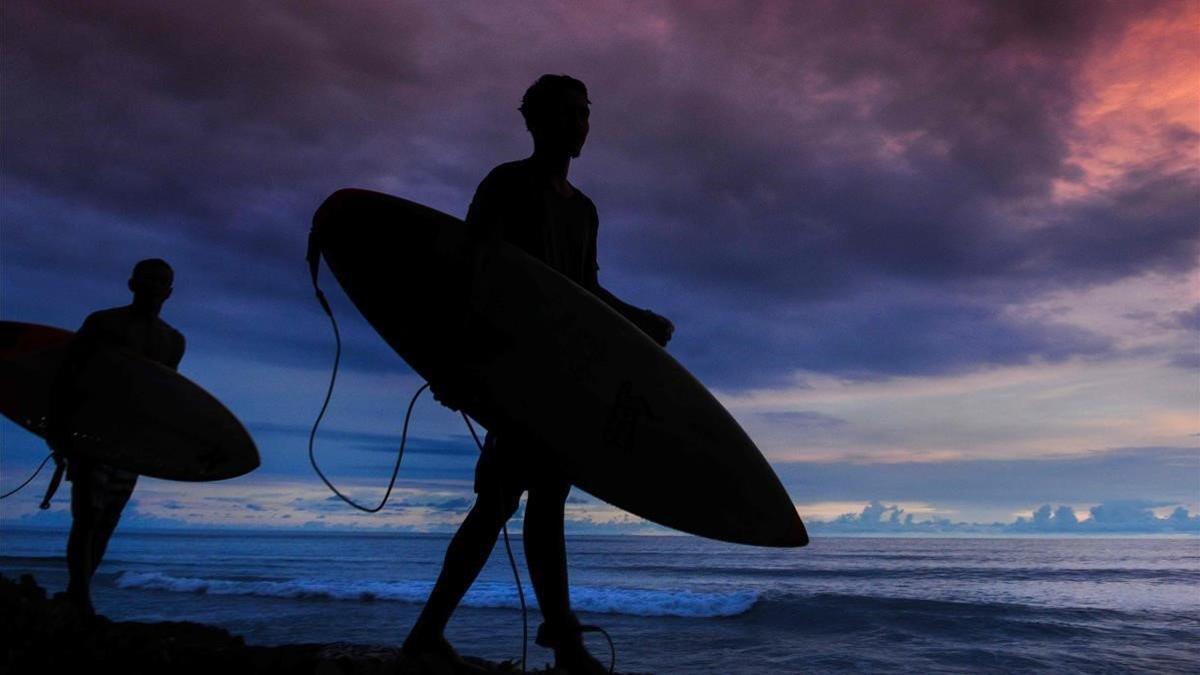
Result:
<point x="555" y="109"/>
<point x="151" y="283"/>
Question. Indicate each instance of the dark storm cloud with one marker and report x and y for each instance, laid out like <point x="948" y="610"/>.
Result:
<point x="204" y="112"/>
<point x="781" y="195"/>
<point x="1147" y="223"/>
<point x="206" y="135"/>
<point x="779" y="182"/>
<point x="890" y="332"/>
<point x="855" y="188"/>
<point x="222" y="123"/>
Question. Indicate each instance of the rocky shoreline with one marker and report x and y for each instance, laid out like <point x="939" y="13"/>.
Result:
<point x="48" y="635"/>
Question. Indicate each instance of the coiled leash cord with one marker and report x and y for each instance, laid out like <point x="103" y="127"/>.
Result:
<point x="312" y="436"/>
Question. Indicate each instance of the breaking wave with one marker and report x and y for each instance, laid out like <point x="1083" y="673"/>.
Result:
<point x="630" y="601"/>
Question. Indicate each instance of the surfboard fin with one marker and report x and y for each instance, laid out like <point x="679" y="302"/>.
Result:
<point x="313" y="256"/>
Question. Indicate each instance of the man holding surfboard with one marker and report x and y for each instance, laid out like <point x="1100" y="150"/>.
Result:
<point x="99" y="492"/>
<point x="530" y="204"/>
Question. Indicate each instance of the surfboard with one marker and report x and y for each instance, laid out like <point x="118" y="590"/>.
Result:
<point x="611" y="410"/>
<point x="134" y="413"/>
<point x="29" y="356"/>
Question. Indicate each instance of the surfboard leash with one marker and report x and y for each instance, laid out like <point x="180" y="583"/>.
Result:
<point x="29" y="480"/>
<point x="312" y="436"/>
<point x="511" y="561"/>
<point x="612" y="649"/>
<point x="313" y="257"/>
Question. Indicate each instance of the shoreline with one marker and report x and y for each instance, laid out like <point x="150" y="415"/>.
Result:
<point x="45" y="633"/>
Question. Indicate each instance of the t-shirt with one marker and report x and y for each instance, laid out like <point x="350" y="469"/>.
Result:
<point x="120" y="328"/>
<point x="512" y="204"/>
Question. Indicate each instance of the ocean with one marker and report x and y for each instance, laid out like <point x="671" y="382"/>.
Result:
<point x="684" y="604"/>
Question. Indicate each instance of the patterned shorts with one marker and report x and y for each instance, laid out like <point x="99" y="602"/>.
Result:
<point x="99" y="492"/>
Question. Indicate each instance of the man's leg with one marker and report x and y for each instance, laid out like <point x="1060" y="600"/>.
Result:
<point x="468" y="552"/>
<point x="79" y="542"/>
<point x="546" y="551"/>
<point x="118" y="490"/>
<point x="546" y="555"/>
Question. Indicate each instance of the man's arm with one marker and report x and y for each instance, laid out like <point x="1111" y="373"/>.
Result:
<point x="659" y="328"/>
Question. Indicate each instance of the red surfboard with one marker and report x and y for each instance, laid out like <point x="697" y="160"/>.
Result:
<point x="134" y="413"/>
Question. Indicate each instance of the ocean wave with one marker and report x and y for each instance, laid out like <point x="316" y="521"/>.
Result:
<point x="603" y="600"/>
<point x="973" y="573"/>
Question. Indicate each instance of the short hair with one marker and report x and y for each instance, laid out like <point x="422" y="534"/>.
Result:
<point x="543" y="94"/>
<point x="144" y="267"/>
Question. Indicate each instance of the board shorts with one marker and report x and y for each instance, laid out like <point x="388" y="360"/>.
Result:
<point x="99" y="492"/>
<point x="511" y="465"/>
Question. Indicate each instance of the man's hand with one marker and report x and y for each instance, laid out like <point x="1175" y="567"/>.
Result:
<point x="659" y="328"/>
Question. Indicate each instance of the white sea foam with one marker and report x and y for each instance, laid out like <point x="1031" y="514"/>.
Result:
<point x="631" y="601"/>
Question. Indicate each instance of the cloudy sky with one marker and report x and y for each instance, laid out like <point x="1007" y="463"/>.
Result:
<point x="936" y="257"/>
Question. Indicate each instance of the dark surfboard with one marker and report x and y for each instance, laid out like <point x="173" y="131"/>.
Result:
<point x="614" y="412"/>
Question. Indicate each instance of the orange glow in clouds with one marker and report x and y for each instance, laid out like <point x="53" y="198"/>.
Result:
<point x="1142" y="109"/>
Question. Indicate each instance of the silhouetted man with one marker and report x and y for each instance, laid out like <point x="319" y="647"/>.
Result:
<point x="99" y="492"/>
<point x="530" y="204"/>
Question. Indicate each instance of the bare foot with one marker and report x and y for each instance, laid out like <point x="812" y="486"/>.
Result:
<point x="80" y="601"/>
<point x="576" y="660"/>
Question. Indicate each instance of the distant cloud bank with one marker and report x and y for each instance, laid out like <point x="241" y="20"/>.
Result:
<point x="586" y="516"/>
<point x="1116" y="517"/>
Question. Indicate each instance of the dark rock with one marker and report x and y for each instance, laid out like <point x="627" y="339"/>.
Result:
<point x="41" y="635"/>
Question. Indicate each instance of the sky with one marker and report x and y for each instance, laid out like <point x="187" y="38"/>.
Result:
<point x="941" y="260"/>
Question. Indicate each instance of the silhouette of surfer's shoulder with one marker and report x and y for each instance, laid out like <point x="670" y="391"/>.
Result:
<point x="521" y="179"/>
<point x="508" y="176"/>
<point x="518" y="186"/>
<point x="124" y="328"/>
<point x="504" y="195"/>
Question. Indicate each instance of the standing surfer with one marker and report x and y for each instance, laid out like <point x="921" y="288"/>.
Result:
<point x="530" y="204"/>
<point x="99" y="492"/>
